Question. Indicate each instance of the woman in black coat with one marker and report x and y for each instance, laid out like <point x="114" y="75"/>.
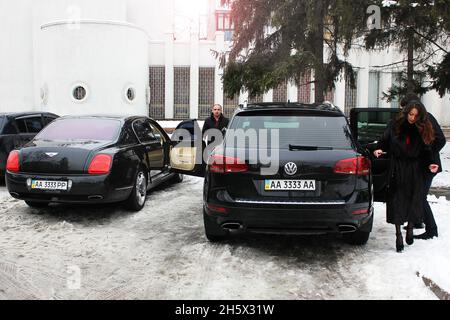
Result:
<point x="407" y="140"/>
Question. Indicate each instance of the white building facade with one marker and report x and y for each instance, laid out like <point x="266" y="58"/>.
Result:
<point x="147" y="57"/>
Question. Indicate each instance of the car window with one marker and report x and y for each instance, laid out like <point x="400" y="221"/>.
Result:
<point x="8" y="126"/>
<point x="144" y="131"/>
<point x="371" y="125"/>
<point x="297" y="130"/>
<point x="158" y="134"/>
<point x="33" y="125"/>
<point x="48" y="120"/>
<point x="21" y="125"/>
<point x="128" y="137"/>
<point x="81" y="129"/>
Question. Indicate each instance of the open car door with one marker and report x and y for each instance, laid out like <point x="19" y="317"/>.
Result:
<point x="186" y="154"/>
<point x="368" y="126"/>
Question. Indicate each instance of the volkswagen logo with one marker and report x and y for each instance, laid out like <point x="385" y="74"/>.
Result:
<point x="290" y="168"/>
<point x="51" y="154"/>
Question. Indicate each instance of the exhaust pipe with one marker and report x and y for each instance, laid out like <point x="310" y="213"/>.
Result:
<point x="232" y="226"/>
<point x="344" y="228"/>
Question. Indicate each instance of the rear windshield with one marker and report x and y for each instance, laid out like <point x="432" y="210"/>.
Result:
<point x="299" y="130"/>
<point x="81" y="130"/>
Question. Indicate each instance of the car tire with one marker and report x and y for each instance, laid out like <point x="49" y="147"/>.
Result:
<point x="37" y="205"/>
<point x="138" y="195"/>
<point x="213" y="232"/>
<point x="178" y="178"/>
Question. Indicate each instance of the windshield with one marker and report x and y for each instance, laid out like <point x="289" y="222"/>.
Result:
<point x="299" y="132"/>
<point x="81" y="130"/>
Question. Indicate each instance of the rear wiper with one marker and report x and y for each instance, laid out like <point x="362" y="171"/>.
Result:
<point x="307" y="148"/>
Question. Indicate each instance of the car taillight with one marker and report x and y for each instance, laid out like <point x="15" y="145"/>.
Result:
<point x="358" y="166"/>
<point x="12" y="164"/>
<point x="360" y="212"/>
<point x="217" y="209"/>
<point x="101" y="164"/>
<point x="221" y="164"/>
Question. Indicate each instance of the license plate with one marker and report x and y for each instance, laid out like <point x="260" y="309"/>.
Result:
<point x="49" y="185"/>
<point x="290" y="185"/>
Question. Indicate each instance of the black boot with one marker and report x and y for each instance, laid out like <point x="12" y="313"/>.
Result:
<point x="399" y="242"/>
<point x="410" y="235"/>
<point x="428" y="235"/>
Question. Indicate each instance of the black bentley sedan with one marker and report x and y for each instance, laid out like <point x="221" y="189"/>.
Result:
<point x="322" y="181"/>
<point x="17" y="129"/>
<point x="91" y="159"/>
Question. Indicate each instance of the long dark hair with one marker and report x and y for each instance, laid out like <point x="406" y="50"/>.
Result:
<point x="423" y="123"/>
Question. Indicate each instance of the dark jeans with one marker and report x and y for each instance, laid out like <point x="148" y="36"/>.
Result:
<point x="428" y="217"/>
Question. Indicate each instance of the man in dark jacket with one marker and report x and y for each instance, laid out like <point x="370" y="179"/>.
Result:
<point x="216" y="121"/>
<point x="431" y="230"/>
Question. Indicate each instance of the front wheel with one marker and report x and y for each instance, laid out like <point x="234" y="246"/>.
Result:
<point x="138" y="196"/>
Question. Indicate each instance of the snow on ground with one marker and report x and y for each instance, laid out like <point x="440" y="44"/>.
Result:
<point x="161" y="253"/>
<point x="443" y="179"/>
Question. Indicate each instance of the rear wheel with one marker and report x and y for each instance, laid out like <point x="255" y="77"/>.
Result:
<point x="357" y="238"/>
<point x="213" y="232"/>
<point x="34" y="204"/>
<point x="138" y="196"/>
<point x="178" y="178"/>
<point x="361" y="236"/>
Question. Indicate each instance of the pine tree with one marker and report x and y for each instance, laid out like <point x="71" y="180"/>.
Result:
<point x="420" y="30"/>
<point x="280" y="40"/>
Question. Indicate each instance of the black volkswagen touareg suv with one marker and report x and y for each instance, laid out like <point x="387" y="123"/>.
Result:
<point x="308" y="176"/>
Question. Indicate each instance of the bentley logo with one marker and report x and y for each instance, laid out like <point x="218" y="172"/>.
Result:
<point x="290" y="168"/>
<point x="51" y="154"/>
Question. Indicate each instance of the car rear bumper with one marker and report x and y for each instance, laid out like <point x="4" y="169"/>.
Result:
<point x="84" y="189"/>
<point x="306" y="218"/>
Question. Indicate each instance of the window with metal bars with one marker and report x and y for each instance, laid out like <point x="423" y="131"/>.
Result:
<point x="206" y="92"/>
<point x="181" y="92"/>
<point x="304" y="88"/>
<point x="396" y="82"/>
<point x="230" y="105"/>
<point x="351" y="95"/>
<point x="256" y="99"/>
<point x="280" y="93"/>
<point x="79" y="93"/>
<point x="157" y="92"/>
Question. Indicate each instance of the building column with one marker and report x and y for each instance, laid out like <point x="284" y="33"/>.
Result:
<point x="169" y="76"/>
<point x="292" y="91"/>
<point x="243" y="97"/>
<point x="194" y="77"/>
<point x="313" y="87"/>
<point x="363" y="88"/>
<point x="218" y="84"/>
<point x="268" y="96"/>
<point x="339" y="94"/>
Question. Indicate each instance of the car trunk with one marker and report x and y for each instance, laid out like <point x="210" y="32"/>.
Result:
<point x="55" y="158"/>
<point x="317" y="166"/>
